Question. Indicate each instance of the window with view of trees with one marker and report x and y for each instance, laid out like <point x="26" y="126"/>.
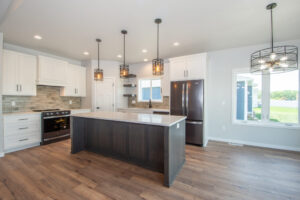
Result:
<point x="267" y="98"/>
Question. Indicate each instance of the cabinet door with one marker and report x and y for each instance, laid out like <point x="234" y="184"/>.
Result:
<point x="71" y="77"/>
<point x="27" y="68"/>
<point x="52" y="71"/>
<point x="81" y="81"/>
<point x="10" y="65"/>
<point x="196" y="66"/>
<point x="177" y="69"/>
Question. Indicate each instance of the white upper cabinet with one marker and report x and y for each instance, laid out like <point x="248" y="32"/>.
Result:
<point x="188" y="67"/>
<point x="52" y="71"/>
<point x="76" y="81"/>
<point x="19" y="73"/>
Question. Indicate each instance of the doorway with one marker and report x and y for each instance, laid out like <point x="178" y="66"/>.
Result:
<point x="105" y="95"/>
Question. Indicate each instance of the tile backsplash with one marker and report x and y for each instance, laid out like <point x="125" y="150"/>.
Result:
<point x="48" y="97"/>
<point x="161" y="105"/>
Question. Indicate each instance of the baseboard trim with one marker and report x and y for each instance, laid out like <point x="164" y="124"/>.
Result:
<point x="2" y="154"/>
<point x="255" y="144"/>
<point x="23" y="147"/>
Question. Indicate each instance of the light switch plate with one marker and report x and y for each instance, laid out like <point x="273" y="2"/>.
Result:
<point x="70" y="102"/>
<point x="177" y="125"/>
<point x="13" y="103"/>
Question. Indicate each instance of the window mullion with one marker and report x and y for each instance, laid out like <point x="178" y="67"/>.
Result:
<point x="151" y="89"/>
<point x="265" y="111"/>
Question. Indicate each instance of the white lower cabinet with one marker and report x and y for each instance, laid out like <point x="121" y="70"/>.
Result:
<point x="21" y="131"/>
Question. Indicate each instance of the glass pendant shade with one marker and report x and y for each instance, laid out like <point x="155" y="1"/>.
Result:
<point x="276" y="59"/>
<point x="158" y="67"/>
<point x="124" y="71"/>
<point x="98" y="73"/>
<point x="158" y="63"/>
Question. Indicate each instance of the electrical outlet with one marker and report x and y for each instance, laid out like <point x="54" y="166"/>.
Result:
<point x="70" y="102"/>
<point x="13" y="103"/>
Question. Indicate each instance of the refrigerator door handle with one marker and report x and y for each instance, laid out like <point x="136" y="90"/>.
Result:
<point x="182" y="99"/>
<point x="193" y="122"/>
<point x="187" y="99"/>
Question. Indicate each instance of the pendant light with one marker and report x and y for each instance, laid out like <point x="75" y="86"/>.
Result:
<point x="124" y="69"/>
<point x="276" y="59"/>
<point x="98" y="74"/>
<point x="157" y="64"/>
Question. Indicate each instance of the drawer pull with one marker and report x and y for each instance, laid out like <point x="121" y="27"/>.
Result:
<point x="23" y="119"/>
<point x="23" y="128"/>
<point x="23" y="140"/>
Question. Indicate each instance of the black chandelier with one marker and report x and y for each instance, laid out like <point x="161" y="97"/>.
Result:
<point x="98" y="74"/>
<point x="124" y="69"/>
<point x="158" y="63"/>
<point x="276" y="59"/>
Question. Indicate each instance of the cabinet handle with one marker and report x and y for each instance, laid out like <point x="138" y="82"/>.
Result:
<point x="75" y="90"/>
<point x="17" y="87"/>
<point x="23" y="139"/>
<point x="23" y="128"/>
<point x="23" y="119"/>
<point x="184" y="73"/>
<point x="21" y="88"/>
<point x="187" y="73"/>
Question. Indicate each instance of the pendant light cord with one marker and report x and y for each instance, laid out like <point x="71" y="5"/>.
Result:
<point x="98" y="55"/>
<point x="272" y="45"/>
<point x="124" y="51"/>
<point x="157" y="40"/>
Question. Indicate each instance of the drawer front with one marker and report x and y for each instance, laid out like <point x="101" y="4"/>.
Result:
<point x="21" y="140"/>
<point x="14" y="119"/>
<point x="20" y="128"/>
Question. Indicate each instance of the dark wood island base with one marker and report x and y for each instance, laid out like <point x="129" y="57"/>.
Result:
<point x="158" y="148"/>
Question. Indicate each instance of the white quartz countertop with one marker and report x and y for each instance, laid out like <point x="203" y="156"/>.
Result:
<point x="22" y="113"/>
<point x="139" y="118"/>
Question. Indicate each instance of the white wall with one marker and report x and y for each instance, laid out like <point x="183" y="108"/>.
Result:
<point x="1" y="115"/>
<point x="219" y="103"/>
<point x="110" y="69"/>
<point x="144" y="70"/>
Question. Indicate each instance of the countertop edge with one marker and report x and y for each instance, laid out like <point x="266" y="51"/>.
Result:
<point x="128" y="121"/>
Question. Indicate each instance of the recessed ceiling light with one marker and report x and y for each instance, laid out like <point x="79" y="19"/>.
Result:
<point x="144" y="50"/>
<point x="176" y="44"/>
<point x="119" y="56"/>
<point x="38" y="37"/>
<point x="86" y="53"/>
<point x="145" y="60"/>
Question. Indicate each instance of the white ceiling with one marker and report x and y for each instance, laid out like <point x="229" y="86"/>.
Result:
<point x="69" y="27"/>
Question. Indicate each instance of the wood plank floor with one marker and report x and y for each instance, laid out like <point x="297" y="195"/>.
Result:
<point x="219" y="171"/>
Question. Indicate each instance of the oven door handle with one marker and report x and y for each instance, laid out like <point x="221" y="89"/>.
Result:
<point x="52" y="117"/>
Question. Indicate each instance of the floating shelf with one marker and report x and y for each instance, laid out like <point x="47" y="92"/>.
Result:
<point x="129" y="95"/>
<point x="129" y="85"/>
<point x="129" y="76"/>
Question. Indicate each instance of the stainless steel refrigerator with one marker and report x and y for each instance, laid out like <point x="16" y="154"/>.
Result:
<point x="187" y="98"/>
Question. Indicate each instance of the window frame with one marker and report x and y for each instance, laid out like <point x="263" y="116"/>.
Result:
<point x="265" y="111"/>
<point x="139" y="90"/>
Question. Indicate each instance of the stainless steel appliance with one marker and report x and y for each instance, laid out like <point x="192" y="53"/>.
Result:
<point x="187" y="98"/>
<point x="55" y="125"/>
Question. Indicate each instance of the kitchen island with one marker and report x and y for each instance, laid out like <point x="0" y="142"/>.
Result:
<point x="155" y="142"/>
